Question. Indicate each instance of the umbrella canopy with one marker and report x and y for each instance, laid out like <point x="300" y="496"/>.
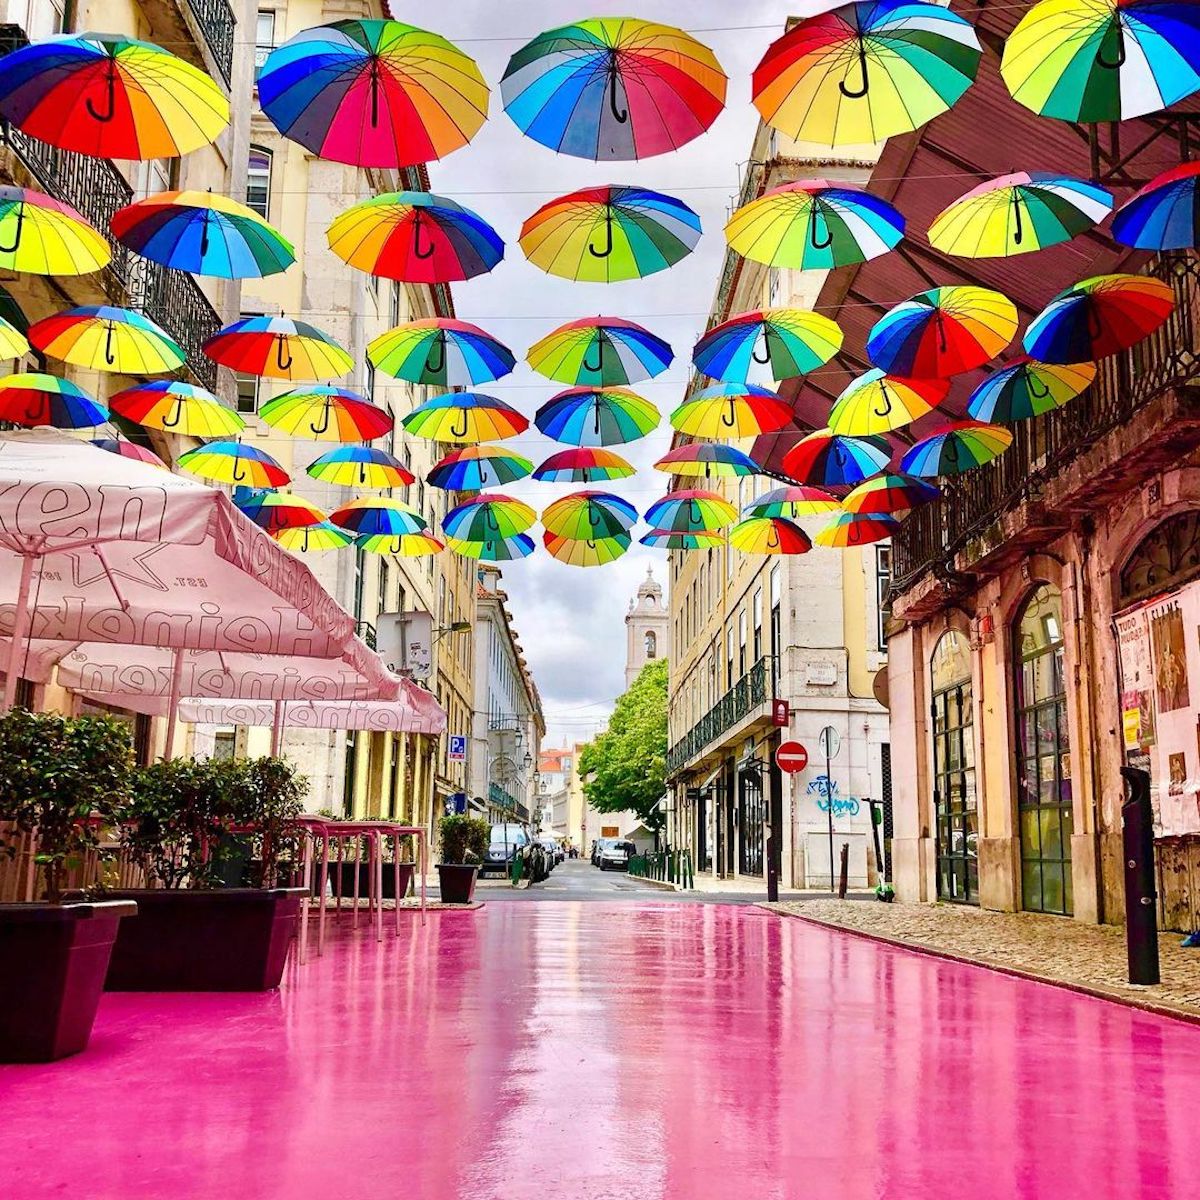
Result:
<point x="584" y="464"/>
<point x="876" y="403"/>
<point x="177" y="407"/>
<point x="111" y="96"/>
<point x="305" y="538"/>
<point x="600" y="352"/>
<point x="403" y="545"/>
<point x="473" y="468"/>
<point x="814" y="225"/>
<point x="690" y="511"/>
<point x="1098" y="317"/>
<point x="362" y="467"/>
<point x="1164" y="214"/>
<point x="607" y="234"/>
<point x="488" y="517"/>
<point x="373" y="93"/>
<point x="415" y="237"/>
<point x="585" y="552"/>
<point x="709" y="460"/>
<point x="596" y="417"/>
<point x="865" y="72"/>
<point x="788" y="341"/>
<point x="278" y="348"/>
<point x="848" y="530"/>
<point x="43" y="236"/>
<point x="327" y="413"/>
<point x="1028" y="388"/>
<point x="667" y="539"/>
<point x="275" y="511"/>
<point x="732" y="410"/>
<point x="589" y="516"/>
<point x="203" y="233"/>
<point x="792" y="502"/>
<point x="889" y="494"/>
<point x="769" y="535"/>
<point x="233" y="462"/>
<point x="1017" y="214"/>
<point x="31" y="398"/>
<point x="13" y="343"/>
<point x="107" y="339"/>
<point x="465" y="417"/>
<point x="1103" y="60"/>
<point x="130" y="450"/>
<point x="504" y="550"/>
<point x="441" y="352"/>
<point x="956" y="447"/>
<point x="378" y="516"/>
<point x="827" y="459"/>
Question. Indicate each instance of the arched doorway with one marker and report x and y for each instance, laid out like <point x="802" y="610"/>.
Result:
<point x="956" y="812"/>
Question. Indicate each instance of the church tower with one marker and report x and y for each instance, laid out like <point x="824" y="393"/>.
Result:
<point x="647" y="628"/>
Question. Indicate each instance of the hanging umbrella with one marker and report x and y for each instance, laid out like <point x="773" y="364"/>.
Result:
<point x="43" y="236"/>
<point x="361" y="467"/>
<point x="327" y="413"/>
<point x="876" y="403"/>
<point x="889" y="494"/>
<point x="203" y="233"/>
<point x="732" y="410"/>
<point x="378" y="516"/>
<point x="177" y="407"/>
<point x="607" y="234"/>
<point x="504" y="550"/>
<point x="788" y="341"/>
<point x="1098" y="317"/>
<point x="613" y="88"/>
<point x="473" y="468"/>
<point x="667" y="539"/>
<point x="441" y="352"/>
<point x="709" y="460"/>
<point x="769" y="535"/>
<point x="1028" y="388"/>
<point x="956" y="447"/>
<point x="1103" y="60"/>
<point x="1017" y="214"/>
<point x="792" y="502"/>
<point x="596" y="417"/>
<point x="586" y="552"/>
<point x="1164" y="215"/>
<point x="600" y="352"/>
<point x="585" y="464"/>
<point x="826" y="459"/>
<point x="232" y="462"/>
<point x="107" y="339"/>
<point x="35" y="399"/>
<point x="848" y="530"/>
<point x="111" y="96"/>
<point x="404" y="545"/>
<point x="278" y="348"/>
<point x="865" y="72"/>
<point x="274" y="511"/>
<point x="465" y="417"/>
<point x="131" y="450"/>
<point x="488" y="517"/>
<point x="814" y="225"/>
<point x="690" y="511"/>
<point x="313" y="537"/>
<point x="415" y="237"/>
<point x="13" y="343"/>
<point x="589" y="516"/>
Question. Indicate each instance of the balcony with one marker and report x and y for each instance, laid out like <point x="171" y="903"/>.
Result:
<point x="749" y="693"/>
<point x="500" y="798"/>
<point x="366" y="631"/>
<point x="219" y="27"/>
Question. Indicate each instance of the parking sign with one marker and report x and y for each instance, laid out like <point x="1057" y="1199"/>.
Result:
<point x="458" y="747"/>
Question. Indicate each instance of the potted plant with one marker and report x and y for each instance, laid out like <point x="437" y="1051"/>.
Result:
<point x="464" y="843"/>
<point x="61" y="781"/>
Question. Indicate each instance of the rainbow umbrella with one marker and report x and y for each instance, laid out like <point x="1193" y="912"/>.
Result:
<point x="361" y="466"/>
<point x="589" y="516"/>
<point x="584" y="464"/>
<point x="596" y="416"/>
<point x="278" y="348"/>
<point x="441" y="352"/>
<point x="690" y="511"/>
<point x="233" y="462"/>
<point x="606" y="234"/>
<point x="876" y="402"/>
<point x="600" y="352"/>
<point x="465" y="417"/>
<point x="1017" y="214"/>
<point x="378" y="516"/>
<point x="404" y="545"/>
<point x="848" y="530"/>
<point x="1103" y="60"/>
<point x="792" y="502"/>
<point x="13" y="343"/>
<point x="732" y="410"/>
<point x="43" y="236"/>
<point x="1028" y="388"/>
<point x="177" y="407"/>
<point x="313" y="537"/>
<point x="668" y="539"/>
<point x="710" y="460"/>
<point x="865" y="72"/>
<point x="131" y="450"/>
<point x="107" y="339"/>
<point x="769" y="535"/>
<point x="586" y="552"/>
<point x="415" y="237"/>
<point x="373" y="93"/>
<point x="488" y="517"/>
<point x="814" y="225"/>
<point x="504" y="550"/>
<point x="1164" y="214"/>
<point x="30" y="398"/>
<point x="111" y="96"/>
<point x="328" y="413"/>
<point x="889" y="494"/>
<point x="204" y="233"/>
<point x="956" y="447"/>
<point x="788" y="341"/>
<point x="473" y="468"/>
<point x="827" y="459"/>
<point x="274" y="511"/>
<point x="1098" y="317"/>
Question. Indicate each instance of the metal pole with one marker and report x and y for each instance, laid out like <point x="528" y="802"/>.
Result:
<point x="775" y="840"/>
<point x="875" y="824"/>
<point x="20" y="621"/>
<point x="829" y="802"/>
<point x="173" y="705"/>
<point x="277" y="729"/>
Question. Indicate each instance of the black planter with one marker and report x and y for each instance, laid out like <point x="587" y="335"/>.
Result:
<point x="347" y="879"/>
<point x="53" y="959"/>
<point x="457" y="882"/>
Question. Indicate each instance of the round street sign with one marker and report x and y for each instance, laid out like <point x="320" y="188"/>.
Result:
<point x="829" y="741"/>
<point x="791" y="757"/>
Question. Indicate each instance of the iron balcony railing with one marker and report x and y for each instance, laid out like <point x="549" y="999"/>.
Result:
<point x="219" y="26"/>
<point x="751" y="691"/>
<point x="366" y="631"/>
<point x="501" y="799"/>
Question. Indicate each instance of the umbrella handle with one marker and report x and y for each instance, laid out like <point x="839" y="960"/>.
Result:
<point x="324" y="426"/>
<point x="177" y="414"/>
<point x="839" y="455"/>
<point x="590" y="544"/>
<point x="943" y="344"/>
<point x="489" y="520"/>
<point x="280" y="346"/>
<point x="852" y="534"/>
<point x="1122" y="53"/>
<point x="110" y="92"/>
<point x="418" y="251"/>
<point x="306" y="538"/>
<point x="887" y="401"/>
<point x="766" y="347"/>
<point x="598" y="368"/>
<point x="696" y="514"/>
<point x="440" y="343"/>
<point x="109" y="356"/>
<point x="374" y="91"/>
<point x="1018" y="220"/>
<point x="619" y="114"/>
<point x="238" y="473"/>
<point x="17" y="234"/>
<point x="596" y="410"/>
<point x="729" y="417"/>
<point x="460" y="433"/>
<point x="812" y="232"/>
<point x="608" y="239"/>
<point x="773" y="538"/>
<point x="39" y="414"/>
<point x="204" y="234"/>
<point x="1035" y="389"/>
<point x="951" y="448"/>
<point x="865" y="85"/>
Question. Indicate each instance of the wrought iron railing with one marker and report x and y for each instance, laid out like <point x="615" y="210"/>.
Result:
<point x="366" y="631"/>
<point x="500" y="798"/>
<point x="174" y="300"/>
<point x="219" y="26"/>
<point x="751" y="691"/>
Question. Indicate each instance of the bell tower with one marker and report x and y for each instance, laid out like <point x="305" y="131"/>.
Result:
<point x="647" y="628"/>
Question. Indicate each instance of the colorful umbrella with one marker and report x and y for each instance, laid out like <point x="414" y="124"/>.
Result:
<point x="826" y="459"/>
<point x="488" y="517"/>
<point x="690" y="511"/>
<point x="177" y="407"/>
<point x="1164" y="214"/>
<point x="1098" y="317"/>
<point x="1017" y="214"/>
<point x="404" y="545"/>
<point x="465" y="417"/>
<point x="596" y="417"/>
<point x="1103" y="60"/>
<point x="667" y="539"/>
<point x="43" y="236"/>
<point x="107" y="339"/>
<point x="415" y="237"/>
<point x="792" y="502"/>
<point x="877" y="403"/>
<point x="373" y="93"/>
<point x="585" y="552"/>
<point x="589" y="516"/>
<point x="600" y="352"/>
<point x="30" y="398"/>
<point x="13" y="343"/>
<point x="707" y="460"/>
<point x="1028" y="388"/>
<point x="505" y="550"/>
<point x="378" y="516"/>
<point x="956" y="447"/>
<point x="441" y="352"/>
<point x="848" y="530"/>
<point x="313" y="537"/>
<point x="233" y="462"/>
<point x="275" y="511"/>
<point x="585" y="464"/>
<point x="889" y="494"/>
<point x="111" y="96"/>
<point x="606" y="234"/>
<point x="362" y="467"/>
<point x="732" y="410"/>
<point x="769" y="535"/>
<point x="814" y="225"/>
<point x="278" y="348"/>
<point x="131" y="450"/>
<point x="865" y="72"/>
<point x="789" y="341"/>
<point x="204" y="233"/>
<point x="327" y="413"/>
<point x="473" y="468"/>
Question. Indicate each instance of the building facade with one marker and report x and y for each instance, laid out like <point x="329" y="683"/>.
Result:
<point x="647" y="628"/>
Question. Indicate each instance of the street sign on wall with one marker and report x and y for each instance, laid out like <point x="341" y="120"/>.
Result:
<point x="781" y="713"/>
<point x="458" y="748"/>
<point x="791" y="757"/>
<point x="404" y="641"/>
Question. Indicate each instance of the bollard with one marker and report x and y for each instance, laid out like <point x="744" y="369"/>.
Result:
<point x="1137" y="839"/>
<point x="844" y="871"/>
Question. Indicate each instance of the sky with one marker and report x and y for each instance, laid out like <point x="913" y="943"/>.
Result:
<point x="571" y="620"/>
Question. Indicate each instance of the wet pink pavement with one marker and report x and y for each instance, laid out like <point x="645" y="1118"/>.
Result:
<point x="613" y="1050"/>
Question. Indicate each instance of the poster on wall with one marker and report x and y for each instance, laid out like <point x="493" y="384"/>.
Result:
<point x="1137" y="680"/>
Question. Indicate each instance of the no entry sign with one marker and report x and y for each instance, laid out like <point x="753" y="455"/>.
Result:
<point x="791" y="757"/>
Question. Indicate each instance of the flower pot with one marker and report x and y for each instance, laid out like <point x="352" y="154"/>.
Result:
<point x="457" y="882"/>
<point x="53" y="959"/>
<point x="347" y="879"/>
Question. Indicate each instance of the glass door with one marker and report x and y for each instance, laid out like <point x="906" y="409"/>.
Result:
<point x="956" y="813"/>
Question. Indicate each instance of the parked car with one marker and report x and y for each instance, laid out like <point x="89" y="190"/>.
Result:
<point x="616" y="854"/>
<point x="597" y="845"/>
<point x="506" y="841"/>
<point x="554" y="850"/>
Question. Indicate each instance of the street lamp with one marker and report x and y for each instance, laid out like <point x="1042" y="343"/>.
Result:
<point x="453" y="627"/>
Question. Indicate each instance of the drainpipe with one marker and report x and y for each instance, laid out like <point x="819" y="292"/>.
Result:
<point x="1083" y="641"/>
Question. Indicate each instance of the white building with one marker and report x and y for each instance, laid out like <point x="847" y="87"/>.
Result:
<point x="647" y="628"/>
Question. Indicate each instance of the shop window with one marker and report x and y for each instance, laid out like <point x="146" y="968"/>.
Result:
<point x="956" y="815"/>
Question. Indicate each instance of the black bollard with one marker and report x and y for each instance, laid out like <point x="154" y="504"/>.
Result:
<point x="1141" y="918"/>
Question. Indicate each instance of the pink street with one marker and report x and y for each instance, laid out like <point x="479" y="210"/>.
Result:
<point x="613" y="1050"/>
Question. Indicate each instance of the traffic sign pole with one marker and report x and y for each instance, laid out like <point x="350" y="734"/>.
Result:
<point x="830" y="743"/>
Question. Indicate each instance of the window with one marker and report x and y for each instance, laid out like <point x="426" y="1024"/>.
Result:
<point x="883" y="583"/>
<point x="741" y="643"/>
<point x="225" y="743"/>
<point x="264" y="37"/>
<point x="42" y="20"/>
<point x="955" y="807"/>
<point x="776" y="599"/>
<point x="156" y="175"/>
<point x="757" y="624"/>
<point x="384" y="586"/>
<point x="728" y="657"/>
<point x="360" y="572"/>
<point x="394" y="304"/>
<point x="651" y="644"/>
<point x="258" y="180"/>
<point x="247" y="392"/>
